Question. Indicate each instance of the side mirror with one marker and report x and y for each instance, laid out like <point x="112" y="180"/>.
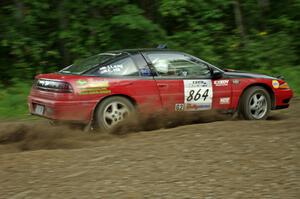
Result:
<point x="216" y="74"/>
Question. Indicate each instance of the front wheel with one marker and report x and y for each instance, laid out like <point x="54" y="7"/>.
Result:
<point x="112" y="112"/>
<point x="255" y="104"/>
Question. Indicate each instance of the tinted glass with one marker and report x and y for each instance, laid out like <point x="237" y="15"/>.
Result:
<point x="142" y="65"/>
<point x="175" y="64"/>
<point x="83" y="65"/>
<point x="123" y="67"/>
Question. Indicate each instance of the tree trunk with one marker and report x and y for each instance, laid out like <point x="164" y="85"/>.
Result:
<point x="264" y="6"/>
<point x="239" y="19"/>
<point x="19" y="11"/>
<point x="63" y="25"/>
<point x="149" y="7"/>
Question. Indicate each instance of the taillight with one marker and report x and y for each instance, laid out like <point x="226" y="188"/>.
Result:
<point x="53" y="86"/>
<point x="65" y="87"/>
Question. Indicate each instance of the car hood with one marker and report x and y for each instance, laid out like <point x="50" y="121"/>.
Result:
<point x="241" y="74"/>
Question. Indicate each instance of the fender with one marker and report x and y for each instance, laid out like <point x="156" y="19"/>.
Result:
<point x="239" y="90"/>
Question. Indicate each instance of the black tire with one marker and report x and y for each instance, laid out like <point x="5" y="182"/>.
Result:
<point x="101" y="122"/>
<point x="255" y="104"/>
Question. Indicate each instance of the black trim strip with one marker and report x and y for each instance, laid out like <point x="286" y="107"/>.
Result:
<point x="180" y="78"/>
<point x="282" y="107"/>
<point x="123" y="77"/>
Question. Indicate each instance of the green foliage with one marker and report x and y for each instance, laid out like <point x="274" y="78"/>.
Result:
<point x="39" y="36"/>
<point x="43" y="36"/>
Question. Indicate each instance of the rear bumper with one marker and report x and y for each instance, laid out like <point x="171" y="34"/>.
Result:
<point x="76" y="111"/>
<point x="283" y="98"/>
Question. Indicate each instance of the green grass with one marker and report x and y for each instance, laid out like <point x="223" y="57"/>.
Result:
<point x="13" y="100"/>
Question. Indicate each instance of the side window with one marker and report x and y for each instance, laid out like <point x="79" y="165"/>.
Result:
<point x="180" y="65"/>
<point x="123" y="67"/>
<point x="142" y="65"/>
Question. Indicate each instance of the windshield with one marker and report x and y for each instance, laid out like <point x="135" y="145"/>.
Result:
<point x="83" y="65"/>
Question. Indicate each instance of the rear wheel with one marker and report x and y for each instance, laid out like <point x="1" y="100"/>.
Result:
<point x="255" y="104"/>
<point x="112" y="112"/>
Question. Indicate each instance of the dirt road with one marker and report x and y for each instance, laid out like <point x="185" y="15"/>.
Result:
<point x="221" y="159"/>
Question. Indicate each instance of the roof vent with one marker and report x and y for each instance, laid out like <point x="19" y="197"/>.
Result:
<point x="162" y="46"/>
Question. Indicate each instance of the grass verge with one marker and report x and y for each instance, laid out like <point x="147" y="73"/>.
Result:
<point x="13" y="101"/>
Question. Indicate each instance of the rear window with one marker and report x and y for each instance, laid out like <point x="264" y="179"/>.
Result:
<point x="83" y="65"/>
<point x="122" y="67"/>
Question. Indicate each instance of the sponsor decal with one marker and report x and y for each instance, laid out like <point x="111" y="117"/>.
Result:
<point x="197" y="94"/>
<point x="99" y="84"/>
<point x="196" y="83"/>
<point x="90" y="91"/>
<point x="81" y="82"/>
<point x="93" y="84"/>
<point x="236" y="81"/>
<point x="223" y="82"/>
<point x="179" y="107"/>
<point x="111" y="69"/>
<point x="225" y="100"/>
<point x="96" y="87"/>
<point x="145" y="72"/>
<point x="275" y="84"/>
<point x="197" y="107"/>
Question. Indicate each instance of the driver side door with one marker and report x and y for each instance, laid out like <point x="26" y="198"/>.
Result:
<point x="185" y="83"/>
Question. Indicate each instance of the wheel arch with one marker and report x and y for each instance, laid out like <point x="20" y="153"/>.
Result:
<point x="265" y="86"/>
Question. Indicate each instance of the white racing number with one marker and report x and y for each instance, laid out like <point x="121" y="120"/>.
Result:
<point x="197" y="95"/>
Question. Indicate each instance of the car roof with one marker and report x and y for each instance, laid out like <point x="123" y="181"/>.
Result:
<point x="137" y="50"/>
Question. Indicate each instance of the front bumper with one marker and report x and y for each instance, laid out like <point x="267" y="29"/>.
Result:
<point x="77" y="111"/>
<point x="283" y="98"/>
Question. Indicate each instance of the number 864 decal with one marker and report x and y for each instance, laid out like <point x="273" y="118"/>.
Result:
<point x="197" y="95"/>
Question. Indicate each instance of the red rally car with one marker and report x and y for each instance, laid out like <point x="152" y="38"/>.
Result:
<point x="106" y="88"/>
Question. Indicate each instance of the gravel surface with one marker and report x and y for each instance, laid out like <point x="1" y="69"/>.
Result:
<point x="220" y="159"/>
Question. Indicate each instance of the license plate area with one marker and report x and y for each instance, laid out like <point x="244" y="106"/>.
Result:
<point x="39" y="109"/>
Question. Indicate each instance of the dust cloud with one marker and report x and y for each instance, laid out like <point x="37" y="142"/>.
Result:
<point x="37" y="135"/>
